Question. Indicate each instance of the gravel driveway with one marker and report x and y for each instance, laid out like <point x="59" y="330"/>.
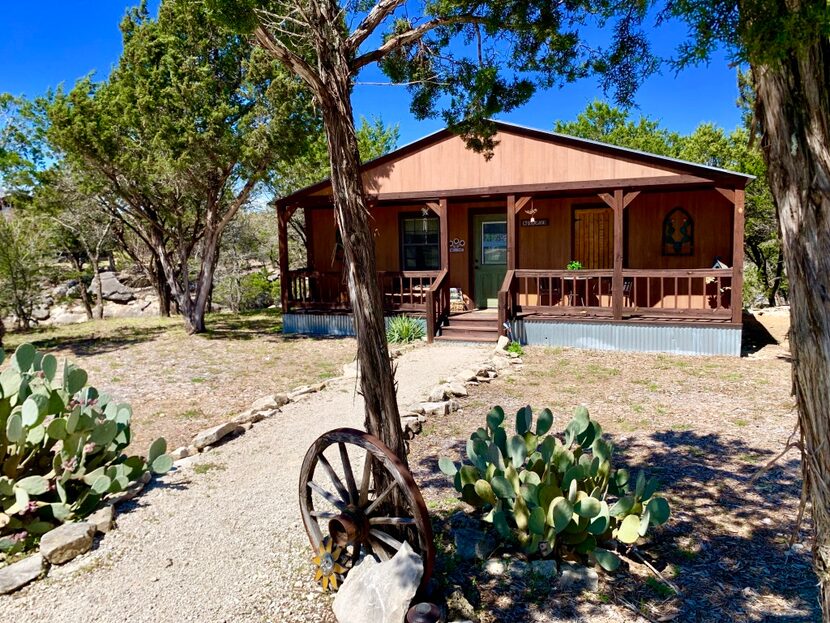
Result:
<point x="221" y="539"/>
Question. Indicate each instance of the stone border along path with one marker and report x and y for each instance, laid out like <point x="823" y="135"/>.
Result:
<point x="220" y="538"/>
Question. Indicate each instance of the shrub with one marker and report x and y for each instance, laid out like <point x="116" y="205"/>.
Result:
<point x="256" y="292"/>
<point x="515" y="347"/>
<point x="551" y="497"/>
<point x="574" y="265"/>
<point x="403" y="330"/>
<point x="61" y="447"/>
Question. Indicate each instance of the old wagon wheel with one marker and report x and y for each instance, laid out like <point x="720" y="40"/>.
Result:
<point x="352" y="510"/>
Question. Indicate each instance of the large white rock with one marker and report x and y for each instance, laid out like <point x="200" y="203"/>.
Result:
<point x="379" y="592"/>
<point x="269" y="403"/>
<point x="19" y="574"/>
<point x="212" y="435"/>
<point x="66" y="542"/>
<point x="436" y="408"/>
<point x="503" y="343"/>
<point x="439" y="393"/>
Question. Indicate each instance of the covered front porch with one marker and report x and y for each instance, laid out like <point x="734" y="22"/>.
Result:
<point x="644" y="247"/>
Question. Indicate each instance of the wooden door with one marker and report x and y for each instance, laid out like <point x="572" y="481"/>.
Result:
<point x="593" y="237"/>
<point x="490" y="259"/>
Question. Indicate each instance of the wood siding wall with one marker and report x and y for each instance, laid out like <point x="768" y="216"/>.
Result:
<point x="448" y="164"/>
<point x="551" y="246"/>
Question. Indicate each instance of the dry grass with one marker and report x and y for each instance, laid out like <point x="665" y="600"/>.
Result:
<point x="704" y="426"/>
<point x="178" y="384"/>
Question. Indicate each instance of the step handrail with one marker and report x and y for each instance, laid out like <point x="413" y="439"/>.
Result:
<point x="506" y="300"/>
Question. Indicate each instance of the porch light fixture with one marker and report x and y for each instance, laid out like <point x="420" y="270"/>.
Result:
<point x="531" y="212"/>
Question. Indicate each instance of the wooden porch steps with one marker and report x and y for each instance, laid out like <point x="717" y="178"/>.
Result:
<point x="475" y="326"/>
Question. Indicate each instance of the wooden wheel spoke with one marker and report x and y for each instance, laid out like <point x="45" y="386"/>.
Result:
<point x="322" y="514"/>
<point x="364" y="484"/>
<point x="377" y="548"/>
<point x="335" y="479"/>
<point x="347" y="470"/>
<point x="391" y="521"/>
<point x="380" y="498"/>
<point x="389" y="540"/>
<point x="329" y="497"/>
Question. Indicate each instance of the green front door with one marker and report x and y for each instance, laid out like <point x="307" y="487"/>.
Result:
<point x="490" y="259"/>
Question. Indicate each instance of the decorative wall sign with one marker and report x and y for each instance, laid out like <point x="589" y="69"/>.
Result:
<point x="457" y="245"/>
<point x="535" y="222"/>
<point x="678" y="233"/>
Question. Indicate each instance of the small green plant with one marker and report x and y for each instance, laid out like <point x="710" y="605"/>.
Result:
<point x="555" y="497"/>
<point x="515" y="347"/>
<point x="403" y="330"/>
<point x="61" y="448"/>
<point x="574" y="265"/>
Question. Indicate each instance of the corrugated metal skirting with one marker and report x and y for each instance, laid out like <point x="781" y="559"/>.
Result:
<point x="660" y="338"/>
<point x="335" y="325"/>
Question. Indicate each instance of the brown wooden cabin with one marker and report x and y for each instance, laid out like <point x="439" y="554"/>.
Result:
<point x="470" y="244"/>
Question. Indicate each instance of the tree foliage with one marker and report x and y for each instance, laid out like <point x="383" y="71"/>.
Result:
<point x="186" y="130"/>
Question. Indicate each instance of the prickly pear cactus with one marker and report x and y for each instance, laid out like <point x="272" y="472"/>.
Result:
<point x="555" y="496"/>
<point x="61" y="447"/>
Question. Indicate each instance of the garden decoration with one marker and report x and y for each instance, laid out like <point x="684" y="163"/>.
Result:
<point x="352" y="519"/>
<point x="556" y="497"/>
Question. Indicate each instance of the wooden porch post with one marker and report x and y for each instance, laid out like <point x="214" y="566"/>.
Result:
<point x="618" y="202"/>
<point x="283" y="214"/>
<point x="737" y="299"/>
<point x="444" y="229"/>
<point x="617" y="279"/>
<point x="511" y="232"/>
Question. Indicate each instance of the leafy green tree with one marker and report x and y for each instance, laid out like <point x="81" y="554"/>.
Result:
<point x="606" y="123"/>
<point x="180" y="137"/>
<point x="82" y="227"/>
<point x="23" y="264"/>
<point x="464" y="60"/>
<point x="21" y="150"/>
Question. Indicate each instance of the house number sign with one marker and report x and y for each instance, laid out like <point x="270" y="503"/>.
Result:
<point x="457" y="245"/>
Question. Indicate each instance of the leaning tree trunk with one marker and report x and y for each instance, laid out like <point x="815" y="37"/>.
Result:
<point x="98" y="287"/>
<point x="377" y="382"/>
<point x="82" y="291"/>
<point x="794" y="107"/>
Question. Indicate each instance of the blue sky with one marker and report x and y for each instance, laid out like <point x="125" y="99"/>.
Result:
<point x="49" y="42"/>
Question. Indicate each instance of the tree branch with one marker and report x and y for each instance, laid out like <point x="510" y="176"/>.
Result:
<point x="288" y="58"/>
<point x="410" y="36"/>
<point x="378" y="13"/>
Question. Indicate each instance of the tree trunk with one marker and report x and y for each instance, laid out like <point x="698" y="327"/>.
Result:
<point x="794" y="107"/>
<point x="76" y="264"/>
<point x="377" y="382"/>
<point x="776" y="280"/>
<point x="99" y="290"/>
<point x="162" y="289"/>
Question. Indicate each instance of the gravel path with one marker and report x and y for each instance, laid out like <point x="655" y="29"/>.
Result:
<point x="221" y="539"/>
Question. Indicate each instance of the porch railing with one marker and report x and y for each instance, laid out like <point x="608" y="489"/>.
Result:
<point x="695" y="294"/>
<point x="402" y="291"/>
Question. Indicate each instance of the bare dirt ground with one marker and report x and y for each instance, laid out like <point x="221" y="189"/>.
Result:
<point x="179" y="384"/>
<point x="704" y="426"/>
